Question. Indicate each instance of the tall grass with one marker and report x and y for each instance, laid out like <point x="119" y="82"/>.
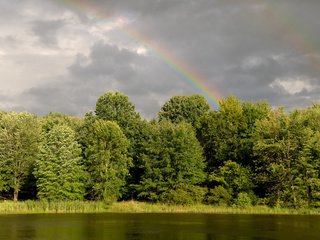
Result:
<point x="142" y="207"/>
<point x="29" y="206"/>
<point x="23" y="207"/>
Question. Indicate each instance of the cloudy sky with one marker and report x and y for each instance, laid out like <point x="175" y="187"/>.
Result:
<point x="61" y="55"/>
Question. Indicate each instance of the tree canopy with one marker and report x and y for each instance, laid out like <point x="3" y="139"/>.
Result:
<point x="242" y="154"/>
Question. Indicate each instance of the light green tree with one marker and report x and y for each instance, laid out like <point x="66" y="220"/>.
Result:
<point x="184" y="108"/>
<point x="53" y="119"/>
<point x="58" y="169"/>
<point x="19" y="146"/>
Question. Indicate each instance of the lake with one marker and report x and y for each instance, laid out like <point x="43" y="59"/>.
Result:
<point x="158" y="226"/>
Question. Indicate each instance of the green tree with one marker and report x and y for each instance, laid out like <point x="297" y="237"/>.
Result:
<point x="53" y="119"/>
<point x="115" y="106"/>
<point x="220" y="133"/>
<point x="308" y="172"/>
<point x="105" y="151"/>
<point x="276" y="148"/>
<point x="19" y="145"/>
<point x="58" y="169"/>
<point x="233" y="177"/>
<point x="227" y="134"/>
<point x="305" y="127"/>
<point x="173" y="161"/>
<point x="184" y="108"/>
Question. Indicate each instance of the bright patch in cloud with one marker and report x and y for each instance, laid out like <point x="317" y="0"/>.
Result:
<point x="252" y="62"/>
<point x="293" y="85"/>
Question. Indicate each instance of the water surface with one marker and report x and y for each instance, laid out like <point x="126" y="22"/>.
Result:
<point x="158" y="227"/>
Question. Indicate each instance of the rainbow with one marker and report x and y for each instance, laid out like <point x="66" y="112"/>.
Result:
<point x="182" y="70"/>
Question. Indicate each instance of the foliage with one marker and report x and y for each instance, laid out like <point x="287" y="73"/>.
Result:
<point x="232" y="177"/>
<point x="173" y="158"/>
<point x="243" y="200"/>
<point x="53" y="119"/>
<point x="219" y="196"/>
<point x="184" y="195"/>
<point x="58" y="170"/>
<point x="115" y="106"/>
<point x="105" y="152"/>
<point x="19" y="144"/>
<point x="234" y="156"/>
<point x="184" y="108"/>
<point x="227" y="134"/>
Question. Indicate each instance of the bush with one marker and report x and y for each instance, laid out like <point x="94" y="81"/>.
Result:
<point x="184" y="195"/>
<point x="219" y="196"/>
<point x="243" y="200"/>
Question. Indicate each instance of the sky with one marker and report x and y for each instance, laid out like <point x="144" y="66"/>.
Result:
<point x="61" y="55"/>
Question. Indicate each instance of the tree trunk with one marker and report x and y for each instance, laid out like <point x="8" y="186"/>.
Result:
<point x="15" y="195"/>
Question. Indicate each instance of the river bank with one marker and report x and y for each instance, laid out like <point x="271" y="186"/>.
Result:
<point x="29" y="207"/>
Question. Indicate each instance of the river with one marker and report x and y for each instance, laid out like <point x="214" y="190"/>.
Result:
<point x="158" y="227"/>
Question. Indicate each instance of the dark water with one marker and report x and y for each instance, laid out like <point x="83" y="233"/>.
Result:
<point x="158" y="227"/>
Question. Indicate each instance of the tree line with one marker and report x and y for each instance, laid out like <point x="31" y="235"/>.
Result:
<point x="246" y="153"/>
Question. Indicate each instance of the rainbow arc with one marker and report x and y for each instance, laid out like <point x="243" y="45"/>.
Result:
<point x="182" y="70"/>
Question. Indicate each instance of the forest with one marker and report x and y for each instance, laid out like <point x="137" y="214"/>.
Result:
<point x="245" y="153"/>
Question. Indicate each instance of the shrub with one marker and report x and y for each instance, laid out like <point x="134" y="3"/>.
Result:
<point x="219" y="196"/>
<point x="184" y="195"/>
<point x="243" y="200"/>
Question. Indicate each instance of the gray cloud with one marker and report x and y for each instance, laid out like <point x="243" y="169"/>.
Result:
<point x="46" y="31"/>
<point x="242" y="47"/>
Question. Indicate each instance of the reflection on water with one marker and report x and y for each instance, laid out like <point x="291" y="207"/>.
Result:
<point x="157" y="226"/>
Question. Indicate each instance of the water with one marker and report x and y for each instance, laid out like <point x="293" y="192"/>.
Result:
<point x="158" y="227"/>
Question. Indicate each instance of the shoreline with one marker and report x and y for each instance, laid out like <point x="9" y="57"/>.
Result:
<point x="43" y="207"/>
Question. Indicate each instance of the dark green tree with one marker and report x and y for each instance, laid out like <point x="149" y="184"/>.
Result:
<point x="232" y="177"/>
<point x="173" y="163"/>
<point x="276" y="148"/>
<point x="227" y="134"/>
<point x="105" y="149"/>
<point x="58" y="169"/>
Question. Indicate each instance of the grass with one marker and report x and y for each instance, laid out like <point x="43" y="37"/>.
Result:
<point x="142" y="207"/>
<point x="22" y="207"/>
<point x="27" y="207"/>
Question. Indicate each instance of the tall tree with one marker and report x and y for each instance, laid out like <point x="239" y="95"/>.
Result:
<point x="105" y="151"/>
<point x="227" y="134"/>
<point x="19" y="145"/>
<point x="276" y="148"/>
<point x="173" y="161"/>
<point x="58" y="169"/>
<point x="115" y="106"/>
<point x="184" y="108"/>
